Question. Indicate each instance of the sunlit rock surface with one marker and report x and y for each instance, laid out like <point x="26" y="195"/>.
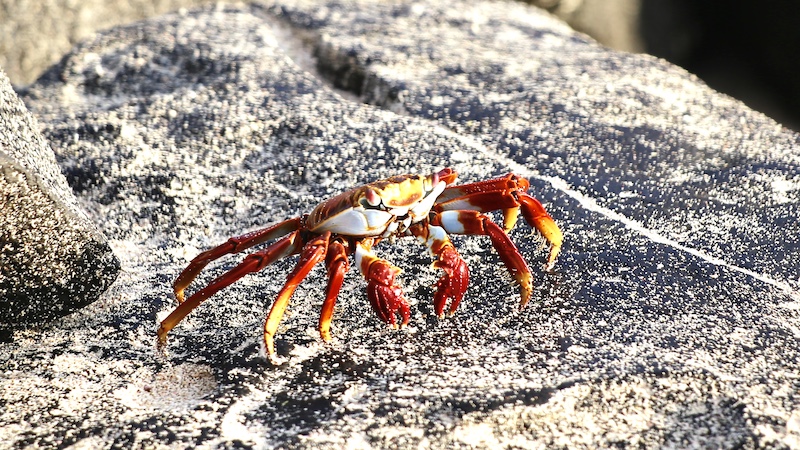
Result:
<point x="671" y="320"/>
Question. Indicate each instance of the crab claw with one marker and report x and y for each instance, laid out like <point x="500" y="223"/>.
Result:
<point x="385" y="296"/>
<point x="453" y="283"/>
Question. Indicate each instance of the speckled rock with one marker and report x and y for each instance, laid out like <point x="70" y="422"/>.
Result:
<point x="671" y="321"/>
<point x="53" y="260"/>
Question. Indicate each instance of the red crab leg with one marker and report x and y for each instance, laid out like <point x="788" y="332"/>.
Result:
<point x="475" y="223"/>
<point x="313" y="252"/>
<point x="453" y="283"/>
<point x="252" y="263"/>
<point x="384" y="295"/>
<point x="509" y="195"/>
<point x="337" y="265"/>
<point x="233" y="245"/>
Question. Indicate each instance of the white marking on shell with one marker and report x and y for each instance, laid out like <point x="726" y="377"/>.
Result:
<point x="357" y="222"/>
<point x="397" y="212"/>
<point x="377" y="219"/>
<point x="423" y="207"/>
<point x="451" y="223"/>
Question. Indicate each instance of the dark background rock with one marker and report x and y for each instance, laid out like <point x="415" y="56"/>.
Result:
<point x="52" y="258"/>
<point x="742" y="49"/>
<point x="671" y="321"/>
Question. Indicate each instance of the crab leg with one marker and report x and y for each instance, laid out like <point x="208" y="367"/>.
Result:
<point x="312" y="253"/>
<point x="509" y="195"/>
<point x="536" y="216"/>
<point x="453" y="283"/>
<point x="337" y="265"/>
<point x="233" y="245"/>
<point x="384" y="295"/>
<point x="475" y="223"/>
<point x="252" y="263"/>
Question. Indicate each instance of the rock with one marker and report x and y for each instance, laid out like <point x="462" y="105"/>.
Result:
<point x="54" y="260"/>
<point x="35" y="34"/>
<point x="671" y="320"/>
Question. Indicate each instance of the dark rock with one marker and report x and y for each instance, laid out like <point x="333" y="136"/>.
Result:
<point x="52" y="258"/>
<point x="671" y="320"/>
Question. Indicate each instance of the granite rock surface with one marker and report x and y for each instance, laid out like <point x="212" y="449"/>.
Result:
<point x="53" y="259"/>
<point x="671" y="319"/>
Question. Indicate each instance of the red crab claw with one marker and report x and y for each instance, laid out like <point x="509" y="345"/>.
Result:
<point x="453" y="284"/>
<point x="475" y="223"/>
<point x="455" y="279"/>
<point x="384" y="295"/>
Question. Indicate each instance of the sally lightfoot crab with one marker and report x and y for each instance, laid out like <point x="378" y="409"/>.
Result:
<point x="351" y="223"/>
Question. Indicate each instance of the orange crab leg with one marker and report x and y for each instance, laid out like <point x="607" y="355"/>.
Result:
<point x="536" y="216"/>
<point x="252" y="263"/>
<point x="453" y="283"/>
<point x="385" y="296"/>
<point x="337" y="265"/>
<point x="509" y="195"/>
<point x="233" y="245"/>
<point x="313" y="252"/>
<point x="475" y="223"/>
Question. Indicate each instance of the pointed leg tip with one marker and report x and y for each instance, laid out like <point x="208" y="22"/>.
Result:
<point x="526" y="290"/>
<point x="326" y="337"/>
<point x="269" y="350"/>
<point x="276" y="360"/>
<point x="553" y="255"/>
<point x="161" y="343"/>
<point x="162" y="334"/>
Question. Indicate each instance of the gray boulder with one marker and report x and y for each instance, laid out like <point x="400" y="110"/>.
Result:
<point x="53" y="258"/>
<point x="671" y="319"/>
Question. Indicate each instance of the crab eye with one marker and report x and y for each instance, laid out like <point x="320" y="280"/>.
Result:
<point x="430" y="182"/>
<point x="372" y="197"/>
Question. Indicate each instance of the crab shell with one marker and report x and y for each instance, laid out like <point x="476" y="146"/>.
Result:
<point x="380" y="209"/>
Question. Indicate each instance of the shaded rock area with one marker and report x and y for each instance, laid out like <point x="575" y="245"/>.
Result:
<point x="671" y="320"/>
<point x="53" y="260"/>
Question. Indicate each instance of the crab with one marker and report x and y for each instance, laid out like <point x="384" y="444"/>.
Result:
<point x="353" y="222"/>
